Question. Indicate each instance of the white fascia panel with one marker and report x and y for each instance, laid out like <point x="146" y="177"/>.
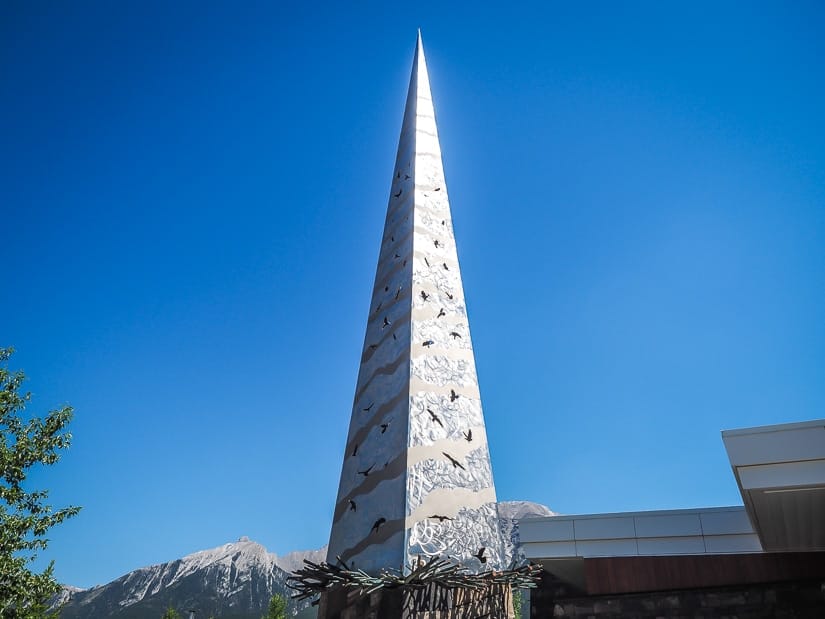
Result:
<point x="782" y="475"/>
<point x="674" y="525"/>
<point x="546" y="530"/>
<point x="732" y="544"/>
<point x="604" y="528"/>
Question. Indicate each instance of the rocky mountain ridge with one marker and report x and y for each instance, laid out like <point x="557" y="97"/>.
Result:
<point x="232" y="581"/>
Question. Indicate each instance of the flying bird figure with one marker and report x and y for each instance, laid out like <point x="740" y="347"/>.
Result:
<point x="397" y="292"/>
<point x="435" y="417"/>
<point x="407" y="177"/>
<point x="428" y="343"/>
<point x="480" y="555"/>
<point x="441" y="313"/>
<point x="355" y="450"/>
<point x="468" y="435"/>
<point x="453" y="395"/>
<point x="396" y="255"/>
<point x="437" y="189"/>
<point x="373" y="346"/>
<point x="427" y="262"/>
<point x="454" y="334"/>
<point x="449" y="296"/>
<point x="439" y="518"/>
<point x="352" y="506"/>
<point x="396" y="195"/>
<point x="366" y="410"/>
<point x="378" y="524"/>
<point x="366" y="472"/>
<point x="384" y="427"/>
<point x="386" y="324"/>
<point x="436" y="242"/>
<point x="424" y="295"/>
<point x="444" y="264"/>
<point x="454" y="462"/>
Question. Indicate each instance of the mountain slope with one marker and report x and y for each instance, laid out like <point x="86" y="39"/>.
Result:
<point x="233" y="581"/>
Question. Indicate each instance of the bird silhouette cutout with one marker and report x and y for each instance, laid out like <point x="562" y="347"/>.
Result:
<point x="441" y="313"/>
<point x="397" y="292"/>
<point x="439" y="518"/>
<point x="386" y="288"/>
<point x="355" y="450"/>
<point x="407" y="177"/>
<point x="468" y="435"/>
<point x="427" y="262"/>
<point x="435" y="418"/>
<point x="398" y="175"/>
<point x="378" y="309"/>
<point x="352" y="506"/>
<point x="377" y="525"/>
<point x="366" y="410"/>
<point x="455" y="463"/>
<point x="392" y="239"/>
<point x="444" y="264"/>
<point x="436" y="243"/>
<point x="403" y="264"/>
<point x="373" y="346"/>
<point x="443" y="222"/>
<point x="393" y="336"/>
<point x="386" y="324"/>
<point x="449" y="296"/>
<point x="428" y="343"/>
<point x="424" y="295"/>
<point x="453" y="395"/>
<point x="366" y="472"/>
<point x="397" y="255"/>
<point x="397" y="195"/>
<point x="384" y="427"/>
<point x="455" y="334"/>
<point x="480" y="555"/>
<point x="437" y="189"/>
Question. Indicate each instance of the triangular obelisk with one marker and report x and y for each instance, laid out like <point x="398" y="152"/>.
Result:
<point x="416" y="481"/>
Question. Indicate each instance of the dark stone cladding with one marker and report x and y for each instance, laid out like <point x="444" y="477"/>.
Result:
<point x="782" y="585"/>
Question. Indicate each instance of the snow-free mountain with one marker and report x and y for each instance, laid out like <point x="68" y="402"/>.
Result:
<point x="233" y="581"/>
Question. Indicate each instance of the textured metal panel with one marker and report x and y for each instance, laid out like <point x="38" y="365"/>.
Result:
<point x="416" y="480"/>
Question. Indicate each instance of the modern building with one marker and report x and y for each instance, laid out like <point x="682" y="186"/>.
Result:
<point x="763" y="559"/>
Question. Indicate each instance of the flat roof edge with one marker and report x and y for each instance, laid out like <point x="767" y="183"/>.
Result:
<point x="656" y="512"/>
<point x="780" y="427"/>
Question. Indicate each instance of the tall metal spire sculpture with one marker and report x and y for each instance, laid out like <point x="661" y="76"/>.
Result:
<point x="416" y="481"/>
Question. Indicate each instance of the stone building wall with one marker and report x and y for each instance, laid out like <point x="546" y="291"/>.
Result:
<point x="781" y="600"/>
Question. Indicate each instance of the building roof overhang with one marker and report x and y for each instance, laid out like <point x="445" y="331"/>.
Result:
<point x="780" y="470"/>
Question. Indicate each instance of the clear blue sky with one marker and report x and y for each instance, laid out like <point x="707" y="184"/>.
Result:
<point x="192" y="201"/>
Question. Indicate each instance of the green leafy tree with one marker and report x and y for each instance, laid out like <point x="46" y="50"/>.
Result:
<point x="518" y="603"/>
<point x="25" y="518"/>
<point x="171" y="613"/>
<point x="277" y="608"/>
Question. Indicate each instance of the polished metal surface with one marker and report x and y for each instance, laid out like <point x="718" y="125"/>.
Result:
<point x="416" y="480"/>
